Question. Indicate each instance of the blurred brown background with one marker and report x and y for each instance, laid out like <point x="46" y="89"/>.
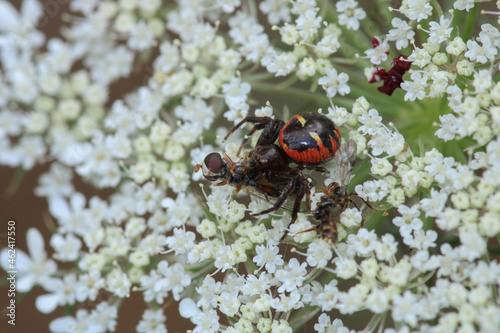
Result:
<point x="18" y="203"/>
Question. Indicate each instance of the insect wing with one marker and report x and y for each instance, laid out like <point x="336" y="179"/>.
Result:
<point x="345" y="158"/>
<point x="261" y="195"/>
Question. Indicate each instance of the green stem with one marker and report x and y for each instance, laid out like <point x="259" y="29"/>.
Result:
<point x="250" y="266"/>
<point x="421" y="281"/>
<point x="287" y="83"/>
<point x="313" y="276"/>
<point x="344" y="61"/>
<point x="387" y="105"/>
<point x="256" y="77"/>
<point x="304" y="316"/>
<point x="14" y="183"/>
<point x="324" y="8"/>
<point x="290" y="92"/>
<point x="493" y="249"/>
<point x="469" y="23"/>
<point x="370" y="327"/>
<point x="438" y="8"/>
<point x="314" y="84"/>
<point x="201" y="268"/>
<point x="384" y="13"/>
<point x="253" y="8"/>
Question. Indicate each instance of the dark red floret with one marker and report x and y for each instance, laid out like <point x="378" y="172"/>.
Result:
<point x="394" y="77"/>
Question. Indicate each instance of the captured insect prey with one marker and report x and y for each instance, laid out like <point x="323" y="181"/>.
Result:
<point x="307" y="139"/>
<point x="266" y="170"/>
<point x="336" y="197"/>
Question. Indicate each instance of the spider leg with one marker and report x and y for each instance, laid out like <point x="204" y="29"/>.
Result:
<point x="238" y="125"/>
<point x="252" y="131"/>
<point x="298" y="200"/>
<point x="281" y="199"/>
<point x="303" y="180"/>
<point x="261" y="122"/>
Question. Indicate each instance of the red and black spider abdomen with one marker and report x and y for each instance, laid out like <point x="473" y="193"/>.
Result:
<point x="310" y="138"/>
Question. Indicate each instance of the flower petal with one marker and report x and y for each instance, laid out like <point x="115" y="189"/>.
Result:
<point x="187" y="308"/>
<point x="31" y="11"/>
<point x="60" y="325"/>
<point x="58" y="207"/>
<point x="23" y="261"/>
<point x="77" y="201"/>
<point x="26" y="282"/>
<point x="47" y="303"/>
<point x="36" y="245"/>
<point x="9" y="18"/>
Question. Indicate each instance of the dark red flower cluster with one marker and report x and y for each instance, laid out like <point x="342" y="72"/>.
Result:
<point x="393" y="78"/>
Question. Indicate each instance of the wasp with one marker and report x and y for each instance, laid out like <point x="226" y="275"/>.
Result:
<point x="336" y="197"/>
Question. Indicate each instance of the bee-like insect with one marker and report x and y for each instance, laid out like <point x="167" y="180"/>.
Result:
<point x="336" y="197"/>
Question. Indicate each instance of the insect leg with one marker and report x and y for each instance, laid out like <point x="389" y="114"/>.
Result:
<point x="366" y="202"/>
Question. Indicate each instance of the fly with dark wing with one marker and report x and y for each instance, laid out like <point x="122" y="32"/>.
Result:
<point x="336" y="197"/>
<point x="265" y="169"/>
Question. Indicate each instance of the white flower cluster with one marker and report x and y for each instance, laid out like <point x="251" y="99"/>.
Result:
<point x="423" y="260"/>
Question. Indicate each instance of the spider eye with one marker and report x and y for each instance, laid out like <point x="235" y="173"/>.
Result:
<point x="213" y="162"/>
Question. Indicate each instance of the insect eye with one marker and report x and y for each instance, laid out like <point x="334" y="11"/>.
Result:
<point x="213" y="162"/>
